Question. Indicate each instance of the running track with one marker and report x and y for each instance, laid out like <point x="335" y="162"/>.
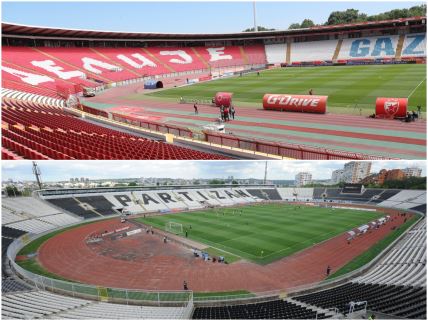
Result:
<point x="387" y="138"/>
<point x="158" y="266"/>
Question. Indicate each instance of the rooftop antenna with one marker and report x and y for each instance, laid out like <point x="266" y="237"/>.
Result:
<point x="254" y="15"/>
<point x="264" y="181"/>
<point x="38" y="174"/>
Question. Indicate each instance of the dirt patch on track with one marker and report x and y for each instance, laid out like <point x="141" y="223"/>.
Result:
<point x="144" y="261"/>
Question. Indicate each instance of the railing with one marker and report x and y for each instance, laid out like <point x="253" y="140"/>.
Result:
<point x="159" y="127"/>
<point x="115" y="295"/>
<point x="283" y="149"/>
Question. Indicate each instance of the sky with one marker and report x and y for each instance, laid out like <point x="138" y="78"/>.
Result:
<point x="180" y="17"/>
<point x="277" y="170"/>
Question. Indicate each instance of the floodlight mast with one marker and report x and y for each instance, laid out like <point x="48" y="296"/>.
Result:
<point x="264" y="181"/>
<point x="38" y="174"/>
<point x="254" y="16"/>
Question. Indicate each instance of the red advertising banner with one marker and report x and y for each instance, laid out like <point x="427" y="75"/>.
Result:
<point x="391" y="107"/>
<point x="223" y="99"/>
<point x="299" y="103"/>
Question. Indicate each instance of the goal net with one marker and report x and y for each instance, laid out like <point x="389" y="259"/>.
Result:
<point x="173" y="227"/>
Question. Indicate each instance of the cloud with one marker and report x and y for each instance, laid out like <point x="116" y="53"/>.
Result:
<point x="64" y="170"/>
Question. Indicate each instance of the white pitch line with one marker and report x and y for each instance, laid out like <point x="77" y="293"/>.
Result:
<point x="415" y="88"/>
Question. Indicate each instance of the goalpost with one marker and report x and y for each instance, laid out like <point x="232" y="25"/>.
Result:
<point x="173" y="227"/>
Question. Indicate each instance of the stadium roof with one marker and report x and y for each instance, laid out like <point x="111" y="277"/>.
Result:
<point x="39" y="32"/>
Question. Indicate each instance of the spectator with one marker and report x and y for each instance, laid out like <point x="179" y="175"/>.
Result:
<point x="185" y="286"/>
<point x="232" y="112"/>
<point x="222" y="112"/>
<point x="226" y="114"/>
<point x="415" y="115"/>
<point x="196" y="108"/>
<point x="328" y="270"/>
<point x="164" y="239"/>
<point x="419" y="110"/>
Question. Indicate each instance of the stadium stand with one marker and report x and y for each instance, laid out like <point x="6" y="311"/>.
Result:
<point x="404" y="264"/>
<point x="94" y="66"/>
<point x="278" y="309"/>
<point x="10" y="232"/>
<point x="135" y="202"/>
<point x="296" y="194"/>
<point x="29" y="205"/>
<point x="276" y="53"/>
<point x="9" y="285"/>
<point x="395" y="286"/>
<point x="414" y="45"/>
<point x="103" y="310"/>
<point x="29" y="214"/>
<point x="39" y="132"/>
<point x="43" y="305"/>
<point x="406" y="199"/>
<point x="368" y="48"/>
<point x="266" y="194"/>
<point x="369" y="195"/>
<point x="71" y="205"/>
<point x="401" y="301"/>
<point x="314" y="51"/>
<point x="32" y="225"/>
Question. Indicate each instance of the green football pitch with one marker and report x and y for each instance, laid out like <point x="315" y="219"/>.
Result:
<point x="263" y="233"/>
<point x="346" y="86"/>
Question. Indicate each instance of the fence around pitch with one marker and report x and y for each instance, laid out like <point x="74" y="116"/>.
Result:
<point x="92" y="292"/>
<point x="282" y="149"/>
<point x="286" y="150"/>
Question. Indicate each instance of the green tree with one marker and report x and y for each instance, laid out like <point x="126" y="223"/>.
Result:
<point x="347" y="16"/>
<point x="120" y="185"/>
<point x="259" y="28"/>
<point x="216" y="182"/>
<point x="294" y="26"/>
<point x="133" y="184"/>
<point x="12" y="191"/>
<point x="307" y="23"/>
<point x="235" y="182"/>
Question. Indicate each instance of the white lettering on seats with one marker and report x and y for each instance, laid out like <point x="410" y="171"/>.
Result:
<point x="187" y="59"/>
<point x="29" y="78"/>
<point x="50" y="66"/>
<point x="88" y="64"/>
<point x="145" y="61"/>
<point x="218" y="54"/>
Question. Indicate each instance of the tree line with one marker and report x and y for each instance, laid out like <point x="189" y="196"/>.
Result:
<point x="354" y="16"/>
